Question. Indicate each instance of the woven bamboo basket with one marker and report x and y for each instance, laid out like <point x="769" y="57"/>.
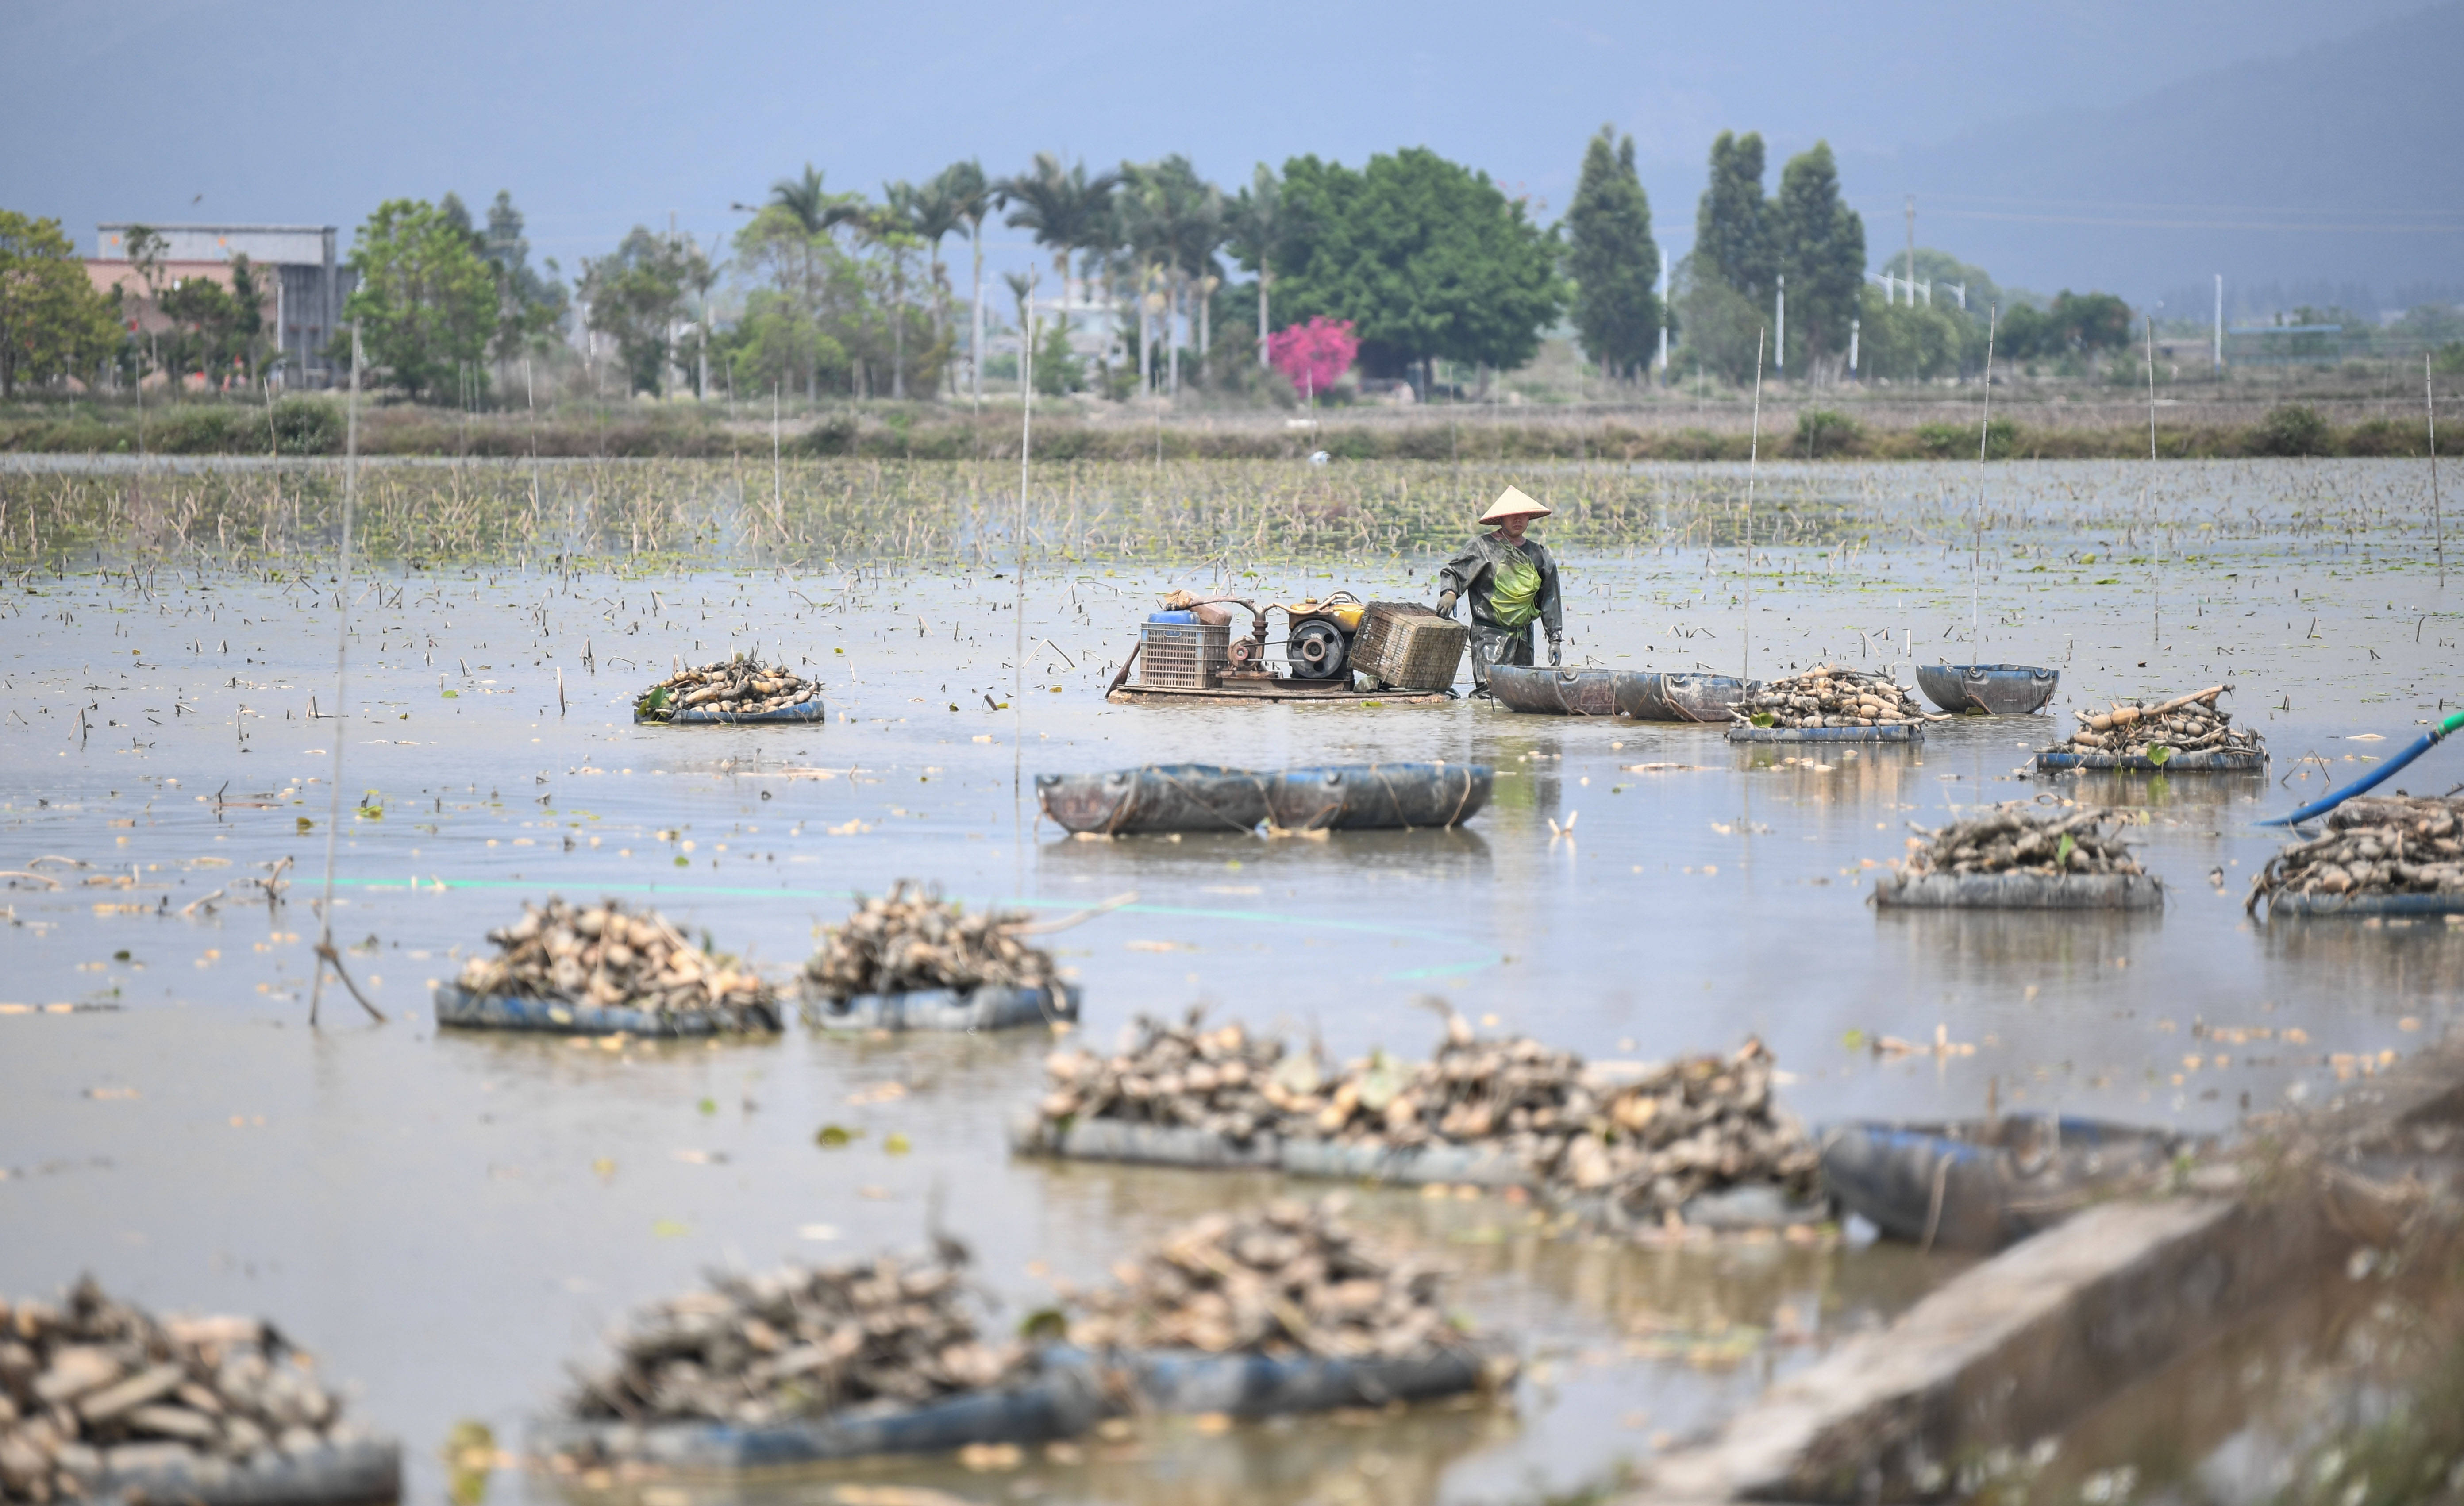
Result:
<point x="1409" y="646"/>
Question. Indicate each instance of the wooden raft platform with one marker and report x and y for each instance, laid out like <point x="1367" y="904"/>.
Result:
<point x="1255" y="692"/>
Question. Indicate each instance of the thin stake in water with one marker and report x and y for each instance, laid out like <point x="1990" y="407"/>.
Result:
<point x="1976" y="551"/>
<point x="1753" y="458"/>
<point x="2437" y="517"/>
<point x="326" y="956"/>
<point x="1025" y="441"/>
<point x="2155" y="524"/>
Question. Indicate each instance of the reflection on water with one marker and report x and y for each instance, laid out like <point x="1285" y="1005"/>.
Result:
<point x="2040" y="946"/>
<point x="2396" y="963"/>
<point x="2231" y="796"/>
<point x="2232" y="1423"/>
<point x="1369" y="1459"/>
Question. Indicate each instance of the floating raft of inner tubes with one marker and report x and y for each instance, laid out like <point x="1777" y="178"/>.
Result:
<point x="738" y="690"/>
<point x="2207" y="761"/>
<point x="810" y="711"/>
<point x="1656" y="696"/>
<point x="1555" y="692"/>
<point x="368" y="1473"/>
<point x="2365" y="905"/>
<point x="1060" y="1400"/>
<point x="982" y="1008"/>
<point x="457" y="1006"/>
<point x="2021" y="892"/>
<point x="2000" y="689"/>
<point x="1745" y="1206"/>
<point x="1071" y="1391"/>
<point x="1982" y="1183"/>
<point x="1363" y="797"/>
<point x="1205" y="797"/>
<point x="1192" y="1381"/>
<point x="1902" y="731"/>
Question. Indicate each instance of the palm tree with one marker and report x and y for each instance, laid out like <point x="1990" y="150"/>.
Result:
<point x="816" y="213"/>
<point x="932" y="213"/>
<point x="1257" y="222"/>
<point x="1137" y="223"/>
<point x="1176" y="221"/>
<point x="1065" y="209"/>
<point x="900" y="223"/>
<point x="971" y="198"/>
<point x="804" y="199"/>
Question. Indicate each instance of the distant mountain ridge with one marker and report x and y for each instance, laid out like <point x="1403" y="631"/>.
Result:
<point x="2207" y="176"/>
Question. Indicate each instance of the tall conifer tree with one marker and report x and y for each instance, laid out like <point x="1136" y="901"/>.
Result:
<point x="1732" y="229"/>
<point x="1611" y="258"/>
<point x="1821" y="244"/>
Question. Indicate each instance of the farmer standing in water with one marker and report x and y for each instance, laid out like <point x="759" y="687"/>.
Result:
<point x="1510" y="582"/>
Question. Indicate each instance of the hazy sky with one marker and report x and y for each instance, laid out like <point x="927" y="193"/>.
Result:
<point x="601" y="116"/>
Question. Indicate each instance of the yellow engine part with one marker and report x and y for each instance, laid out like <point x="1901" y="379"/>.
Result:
<point x="1346" y="616"/>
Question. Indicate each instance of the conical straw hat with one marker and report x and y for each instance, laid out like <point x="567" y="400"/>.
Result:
<point x="1512" y="504"/>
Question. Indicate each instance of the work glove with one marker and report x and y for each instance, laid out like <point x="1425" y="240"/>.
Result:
<point x="1446" y="604"/>
<point x="1557" y="653"/>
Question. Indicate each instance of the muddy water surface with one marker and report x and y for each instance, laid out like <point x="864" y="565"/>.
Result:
<point x="449" y="1218"/>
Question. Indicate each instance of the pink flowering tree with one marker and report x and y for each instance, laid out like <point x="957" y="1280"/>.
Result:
<point x="1314" y="355"/>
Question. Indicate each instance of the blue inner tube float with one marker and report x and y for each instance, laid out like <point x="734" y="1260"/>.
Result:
<point x="1979" y="1185"/>
<point x="1999" y="690"/>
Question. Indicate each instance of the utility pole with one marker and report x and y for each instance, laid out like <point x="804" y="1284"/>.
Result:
<point x="1912" y="251"/>
<point x="1855" y="327"/>
<point x="1664" y="315"/>
<point x="2219" y="355"/>
<point x="1779" y="341"/>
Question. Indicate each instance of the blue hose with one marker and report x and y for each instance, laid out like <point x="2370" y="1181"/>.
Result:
<point x="2370" y="781"/>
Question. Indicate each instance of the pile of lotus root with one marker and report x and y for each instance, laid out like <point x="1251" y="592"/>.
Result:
<point x="738" y="686"/>
<point x="1831" y="697"/>
<point x="1647" y="1141"/>
<point x="801" y="1341"/>
<point x="604" y="956"/>
<point x="2188" y="725"/>
<point x="1290" y="1278"/>
<point x="2014" y="839"/>
<point x="2402" y="845"/>
<point x="911" y="939"/>
<point x="90" y="1386"/>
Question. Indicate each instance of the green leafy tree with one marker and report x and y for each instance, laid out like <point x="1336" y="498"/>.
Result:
<point x="52" y="323"/>
<point x="140" y="304"/>
<point x="531" y="309"/>
<point x="1426" y="257"/>
<point x="1058" y="370"/>
<point x="1940" y="268"/>
<point x="1611" y="258"/>
<point x="773" y="345"/>
<point x="2091" y="322"/>
<point x="1819" y="243"/>
<point x="637" y="298"/>
<point x="1904" y="342"/>
<point x="214" y="328"/>
<point x="426" y="300"/>
<point x="789" y="238"/>
<point x="1723" y="327"/>
<point x="1731" y="229"/>
<point x="2076" y="325"/>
